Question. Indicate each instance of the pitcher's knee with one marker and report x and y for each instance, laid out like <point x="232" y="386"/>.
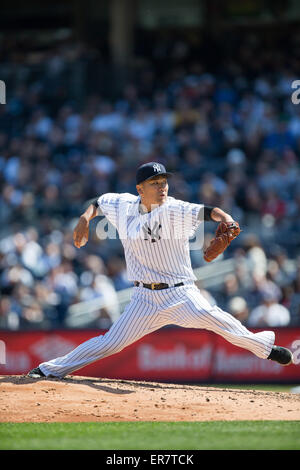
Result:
<point x="111" y="345"/>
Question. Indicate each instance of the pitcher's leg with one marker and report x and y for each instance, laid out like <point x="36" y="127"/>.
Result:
<point x="137" y="320"/>
<point x="196" y="312"/>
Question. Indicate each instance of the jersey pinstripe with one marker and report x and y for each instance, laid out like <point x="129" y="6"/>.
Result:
<point x="156" y="244"/>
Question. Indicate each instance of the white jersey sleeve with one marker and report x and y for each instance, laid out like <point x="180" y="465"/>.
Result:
<point x="113" y="206"/>
<point x="108" y="205"/>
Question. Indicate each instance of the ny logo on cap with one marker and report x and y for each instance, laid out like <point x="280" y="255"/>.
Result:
<point x="156" y="167"/>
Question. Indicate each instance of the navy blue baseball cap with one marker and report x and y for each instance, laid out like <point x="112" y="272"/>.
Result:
<point x="148" y="170"/>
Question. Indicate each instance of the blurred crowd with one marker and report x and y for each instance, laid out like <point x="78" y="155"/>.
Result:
<point x="261" y="291"/>
<point x="228" y="130"/>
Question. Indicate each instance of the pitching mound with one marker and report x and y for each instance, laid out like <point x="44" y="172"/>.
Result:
<point x="91" y="399"/>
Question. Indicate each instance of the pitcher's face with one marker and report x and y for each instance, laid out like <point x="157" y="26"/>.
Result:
<point x="153" y="191"/>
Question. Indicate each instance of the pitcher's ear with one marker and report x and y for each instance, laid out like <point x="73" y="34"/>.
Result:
<point x="139" y="189"/>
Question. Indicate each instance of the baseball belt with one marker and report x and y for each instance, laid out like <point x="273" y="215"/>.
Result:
<point x="154" y="286"/>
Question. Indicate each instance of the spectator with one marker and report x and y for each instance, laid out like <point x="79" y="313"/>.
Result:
<point x="273" y="205"/>
<point x="231" y="288"/>
<point x="117" y="272"/>
<point x="270" y="313"/>
<point x="255" y="255"/>
<point x="238" y="308"/>
<point x="294" y="300"/>
<point x="9" y="318"/>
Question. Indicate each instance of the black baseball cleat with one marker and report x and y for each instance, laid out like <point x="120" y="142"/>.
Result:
<point x="281" y="355"/>
<point x="36" y="373"/>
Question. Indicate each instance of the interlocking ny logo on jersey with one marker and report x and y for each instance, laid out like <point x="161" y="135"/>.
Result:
<point x="156" y="167"/>
<point x="152" y="234"/>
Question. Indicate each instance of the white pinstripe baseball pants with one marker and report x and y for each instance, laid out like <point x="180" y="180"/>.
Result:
<point x="150" y="310"/>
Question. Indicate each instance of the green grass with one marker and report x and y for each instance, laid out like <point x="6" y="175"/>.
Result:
<point x="220" y="435"/>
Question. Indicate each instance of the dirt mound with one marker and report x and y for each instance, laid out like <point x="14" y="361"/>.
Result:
<point x="76" y="399"/>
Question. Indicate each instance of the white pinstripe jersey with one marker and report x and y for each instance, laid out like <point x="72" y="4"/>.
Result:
<point x="156" y="244"/>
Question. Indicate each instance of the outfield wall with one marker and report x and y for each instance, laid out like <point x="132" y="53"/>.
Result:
<point x="168" y="355"/>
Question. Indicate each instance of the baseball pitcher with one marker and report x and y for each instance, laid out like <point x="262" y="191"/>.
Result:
<point x="155" y="230"/>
